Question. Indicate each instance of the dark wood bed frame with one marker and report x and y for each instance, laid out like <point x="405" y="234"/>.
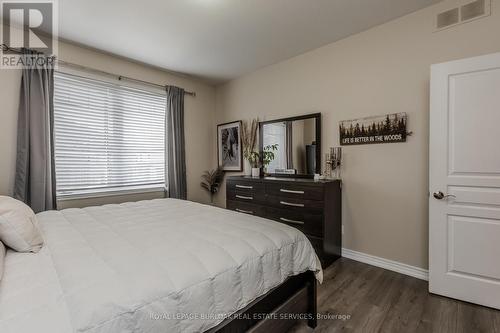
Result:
<point x="277" y="310"/>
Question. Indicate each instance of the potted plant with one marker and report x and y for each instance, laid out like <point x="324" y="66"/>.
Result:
<point x="267" y="157"/>
<point x="254" y="159"/>
<point x="211" y="180"/>
<point x="249" y="141"/>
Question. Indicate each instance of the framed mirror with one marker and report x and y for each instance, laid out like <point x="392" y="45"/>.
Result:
<point x="298" y="145"/>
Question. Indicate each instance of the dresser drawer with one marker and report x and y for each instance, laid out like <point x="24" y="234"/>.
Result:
<point x="246" y="196"/>
<point x="295" y="204"/>
<point x="245" y="186"/>
<point x="292" y="190"/>
<point x="311" y="224"/>
<point x="244" y="207"/>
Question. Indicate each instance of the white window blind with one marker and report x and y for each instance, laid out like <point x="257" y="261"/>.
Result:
<point x="107" y="137"/>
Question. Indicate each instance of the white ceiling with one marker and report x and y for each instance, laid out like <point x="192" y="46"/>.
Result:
<point x="220" y="39"/>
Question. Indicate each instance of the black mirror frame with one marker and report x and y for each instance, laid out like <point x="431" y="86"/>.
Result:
<point x="317" y="117"/>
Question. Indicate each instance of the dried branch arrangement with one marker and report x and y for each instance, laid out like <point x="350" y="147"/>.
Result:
<point x="249" y="137"/>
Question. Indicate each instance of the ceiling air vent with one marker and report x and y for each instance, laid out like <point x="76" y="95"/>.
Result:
<point x="447" y="18"/>
<point x="473" y="10"/>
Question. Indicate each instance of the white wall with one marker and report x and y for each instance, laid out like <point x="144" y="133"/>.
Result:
<point x="383" y="70"/>
<point x="199" y="120"/>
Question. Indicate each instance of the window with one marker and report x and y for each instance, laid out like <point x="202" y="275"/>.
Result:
<point x="107" y="137"/>
<point x="275" y="133"/>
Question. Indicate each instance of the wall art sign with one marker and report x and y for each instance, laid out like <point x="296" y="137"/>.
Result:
<point x="378" y="129"/>
<point x="229" y="152"/>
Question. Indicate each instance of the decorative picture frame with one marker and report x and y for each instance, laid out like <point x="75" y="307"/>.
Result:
<point x="229" y="148"/>
<point x="387" y="128"/>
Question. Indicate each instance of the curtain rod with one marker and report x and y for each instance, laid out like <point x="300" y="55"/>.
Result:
<point x="119" y="77"/>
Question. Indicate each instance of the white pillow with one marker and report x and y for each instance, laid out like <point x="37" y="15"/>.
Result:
<point x="2" y="257"/>
<point x="18" y="226"/>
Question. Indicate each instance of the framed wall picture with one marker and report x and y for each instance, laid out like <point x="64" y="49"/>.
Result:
<point x="378" y="129"/>
<point x="229" y="152"/>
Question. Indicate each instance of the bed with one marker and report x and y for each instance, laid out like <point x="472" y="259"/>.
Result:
<point x="162" y="265"/>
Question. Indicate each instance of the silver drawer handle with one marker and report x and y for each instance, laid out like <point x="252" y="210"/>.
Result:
<point x="244" y="186"/>
<point x="291" y="191"/>
<point x="244" y="211"/>
<point x="291" y="221"/>
<point x="243" y="197"/>
<point x="291" y="204"/>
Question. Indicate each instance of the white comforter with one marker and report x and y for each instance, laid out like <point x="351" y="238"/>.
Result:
<point x="153" y="266"/>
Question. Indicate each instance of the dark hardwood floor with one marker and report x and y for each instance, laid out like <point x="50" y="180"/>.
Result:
<point x="378" y="300"/>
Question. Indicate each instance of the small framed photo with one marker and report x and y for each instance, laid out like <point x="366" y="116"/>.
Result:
<point x="229" y="152"/>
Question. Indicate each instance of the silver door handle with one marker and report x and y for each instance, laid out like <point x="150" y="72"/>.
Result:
<point x="243" y="197"/>
<point x="291" y="221"/>
<point x="440" y="195"/>
<point x="244" y="186"/>
<point x="291" y="191"/>
<point x="244" y="211"/>
<point x="291" y="204"/>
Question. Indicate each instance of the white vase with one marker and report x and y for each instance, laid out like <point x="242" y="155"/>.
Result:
<point x="247" y="167"/>
<point x="255" y="172"/>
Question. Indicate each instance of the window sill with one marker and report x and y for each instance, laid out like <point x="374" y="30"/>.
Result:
<point x="109" y="193"/>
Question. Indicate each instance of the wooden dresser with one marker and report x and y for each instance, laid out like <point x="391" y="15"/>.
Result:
<point x="313" y="207"/>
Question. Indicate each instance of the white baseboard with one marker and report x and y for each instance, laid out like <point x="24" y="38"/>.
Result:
<point x="391" y="265"/>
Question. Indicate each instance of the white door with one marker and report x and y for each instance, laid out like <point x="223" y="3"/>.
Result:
<point x="464" y="201"/>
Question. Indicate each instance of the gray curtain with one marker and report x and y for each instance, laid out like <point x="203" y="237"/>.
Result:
<point x="176" y="153"/>
<point x="35" y="174"/>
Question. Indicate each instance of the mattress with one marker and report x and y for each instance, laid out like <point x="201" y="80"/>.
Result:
<point x="162" y="265"/>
